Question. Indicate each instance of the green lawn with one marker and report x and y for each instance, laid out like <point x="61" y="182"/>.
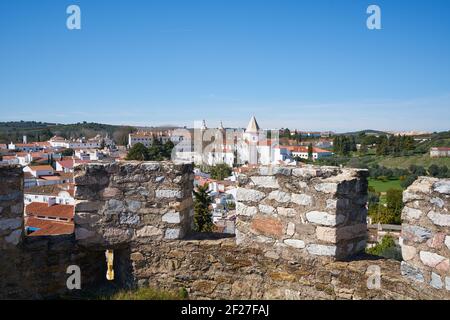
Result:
<point x="381" y="186"/>
<point x="404" y="162"/>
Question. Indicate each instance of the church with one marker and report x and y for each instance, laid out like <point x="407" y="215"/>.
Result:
<point x="233" y="146"/>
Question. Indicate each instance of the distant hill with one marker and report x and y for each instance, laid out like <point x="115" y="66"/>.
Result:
<point x="367" y="132"/>
<point x="42" y="131"/>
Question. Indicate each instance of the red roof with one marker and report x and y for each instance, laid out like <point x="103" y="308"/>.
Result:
<point x="39" y="168"/>
<point x="48" y="227"/>
<point x="441" y="148"/>
<point x="68" y="164"/>
<point x="54" y="211"/>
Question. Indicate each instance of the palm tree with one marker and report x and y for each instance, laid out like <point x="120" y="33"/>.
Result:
<point x="202" y="214"/>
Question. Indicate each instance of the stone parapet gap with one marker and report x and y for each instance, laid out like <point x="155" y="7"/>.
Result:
<point x="303" y="211"/>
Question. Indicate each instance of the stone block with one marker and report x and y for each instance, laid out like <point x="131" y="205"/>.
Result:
<point x="324" y="218"/>
<point x="267" y="226"/>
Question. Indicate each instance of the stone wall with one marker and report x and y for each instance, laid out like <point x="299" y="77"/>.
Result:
<point x="120" y="203"/>
<point x="317" y="211"/>
<point x="221" y="269"/>
<point x="151" y="199"/>
<point x="11" y="206"/>
<point x="425" y="235"/>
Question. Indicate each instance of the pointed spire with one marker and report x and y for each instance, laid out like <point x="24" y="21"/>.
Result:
<point x="253" y="126"/>
<point x="221" y="126"/>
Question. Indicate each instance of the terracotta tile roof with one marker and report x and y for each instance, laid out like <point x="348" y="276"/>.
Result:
<point x="440" y="149"/>
<point x="53" y="189"/>
<point x="28" y="175"/>
<point x="68" y="164"/>
<point x="48" y="227"/>
<point x="54" y="211"/>
<point x="44" y="167"/>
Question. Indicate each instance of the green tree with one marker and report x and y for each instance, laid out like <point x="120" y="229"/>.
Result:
<point x="310" y="152"/>
<point x="155" y="150"/>
<point x="138" y="152"/>
<point x="68" y="152"/>
<point x="220" y="171"/>
<point x="202" y="213"/>
<point x="167" y="149"/>
<point x="394" y="203"/>
<point x="386" y="248"/>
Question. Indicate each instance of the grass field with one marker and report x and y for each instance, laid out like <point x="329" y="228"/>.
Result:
<point x="381" y="186"/>
<point x="404" y="162"/>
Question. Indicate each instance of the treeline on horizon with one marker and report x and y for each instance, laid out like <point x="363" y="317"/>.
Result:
<point x="42" y="131"/>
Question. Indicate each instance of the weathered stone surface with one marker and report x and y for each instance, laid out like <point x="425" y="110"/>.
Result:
<point x="408" y="252"/>
<point x="249" y="195"/>
<point x="243" y="210"/>
<point x="411" y="214"/>
<point x="335" y="235"/>
<point x="129" y="218"/>
<point x="286" y="212"/>
<point x="321" y="250"/>
<point x="280" y="196"/>
<point x="136" y="256"/>
<point x="436" y="281"/>
<point x="411" y="272"/>
<point x="172" y="217"/>
<point x="437" y="241"/>
<point x="267" y="226"/>
<point x="447" y="283"/>
<point x="415" y="233"/>
<point x="326" y="187"/>
<point x="174" y="233"/>
<point x="266" y="209"/>
<point x="431" y="259"/>
<point x="302" y="199"/>
<point x="324" y="218"/>
<point x="442" y="186"/>
<point x="116" y="235"/>
<point x="14" y="237"/>
<point x="149" y="231"/>
<point x="83" y="234"/>
<point x="290" y="230"/>
<point x="10" y="224"/>
<point x="175" y="194"/>
<point x="266" y="182"/>
<point x="111" y="193"/>
<point x="442" y="220"/>
<point x="299" y="244"/>
<point x="437" y="202"/>
<point x="307" y="172"/>
<point x="447" y="242"/>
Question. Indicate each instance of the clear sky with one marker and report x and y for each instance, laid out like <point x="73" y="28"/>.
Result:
<point x="309" y="65"/>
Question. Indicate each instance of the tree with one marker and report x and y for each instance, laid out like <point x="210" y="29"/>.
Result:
<point x="102" y="144"/>
<point x="408" y="181"/>
<point x="167" y="149"/>
<point x="68" y="152"/>
<point x="387" y="248"/>
<point x="220" y="171"/>
<point x="202" y="213"/>
<point x="310" y="152"/>
<point x="138" y="152"/>
<point x="394" y="202"/>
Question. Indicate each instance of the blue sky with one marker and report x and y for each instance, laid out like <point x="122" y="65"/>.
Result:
<point x="309" y="65"/>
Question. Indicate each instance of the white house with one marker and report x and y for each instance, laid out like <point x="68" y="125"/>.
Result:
<point x="38" y="171"/>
